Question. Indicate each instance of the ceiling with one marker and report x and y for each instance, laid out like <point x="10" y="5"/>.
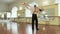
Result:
<point x="4" y="3"/>
<point x="7" y="1"/>
<point x="21" y="1"/>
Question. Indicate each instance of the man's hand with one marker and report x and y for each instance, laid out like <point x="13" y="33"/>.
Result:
<point x="25" y="4"/>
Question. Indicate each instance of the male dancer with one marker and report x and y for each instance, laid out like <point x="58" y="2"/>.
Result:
<point x="34" y="10"/>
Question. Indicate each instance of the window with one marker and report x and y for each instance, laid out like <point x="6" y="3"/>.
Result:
<point x="8" y="15"/>
<point x="14" y="12"/>
<point x="2" y="15"/>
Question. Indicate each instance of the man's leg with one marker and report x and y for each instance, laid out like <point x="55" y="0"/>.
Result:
<point x="37" y="24"/>
<point x="32" y="23"/>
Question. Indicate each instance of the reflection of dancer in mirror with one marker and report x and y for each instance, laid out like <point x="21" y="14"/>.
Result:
<point x="34" y="10"/>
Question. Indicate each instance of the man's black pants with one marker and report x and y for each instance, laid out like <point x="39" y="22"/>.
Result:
<point x="34" y="19"/>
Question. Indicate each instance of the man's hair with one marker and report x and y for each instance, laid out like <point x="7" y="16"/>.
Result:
<point x="34" y="5"/>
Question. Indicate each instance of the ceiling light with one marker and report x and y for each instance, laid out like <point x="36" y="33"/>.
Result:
<point x="46" y="15"/>
<point x="20" y="8"/>
<point x="45" y="3"/>
<point x="19" y="14"/>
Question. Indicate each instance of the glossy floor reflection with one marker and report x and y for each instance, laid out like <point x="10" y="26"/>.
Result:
<point x="8" y="27"/>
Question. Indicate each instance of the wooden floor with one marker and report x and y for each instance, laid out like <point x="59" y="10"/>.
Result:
<point x="23" y="28"/>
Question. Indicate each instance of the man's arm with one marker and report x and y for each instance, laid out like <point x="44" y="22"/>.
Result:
<point x="40" y="9"/>
<point x="27" y="6"/>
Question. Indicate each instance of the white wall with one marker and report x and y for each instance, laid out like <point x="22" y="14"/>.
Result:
<point x="3" y="7"/>
<point x="59" y="9"/>
<point x="58" y="1"/>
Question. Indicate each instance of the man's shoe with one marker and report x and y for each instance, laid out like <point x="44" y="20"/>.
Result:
<point x="37" y="29"/>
